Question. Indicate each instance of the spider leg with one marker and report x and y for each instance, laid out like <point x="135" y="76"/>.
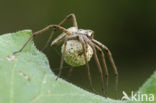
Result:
<point x="72" y="16"/>
<point x="97" y="62"/>
<point x="63" y="54"/>
<point x="87" y="65"/>
<point x="111" y="61"/>
<point x="69" y="72"/>
<point x="41" y="31"/>
<point x="49" y="39"/>
<point x="104" y="66"/>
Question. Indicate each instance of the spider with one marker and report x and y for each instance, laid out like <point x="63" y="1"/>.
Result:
<point x="86" y="38"/>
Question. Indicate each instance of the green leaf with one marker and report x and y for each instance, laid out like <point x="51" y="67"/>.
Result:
<point x="150" y="85"/>
<point x="27" y="78"/>
<point x="148" y="89"/>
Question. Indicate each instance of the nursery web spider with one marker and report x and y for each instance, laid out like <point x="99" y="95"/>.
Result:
<point x="85" y="37"/>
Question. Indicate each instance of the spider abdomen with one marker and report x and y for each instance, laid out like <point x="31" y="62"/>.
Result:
<point x="74" y="55"/>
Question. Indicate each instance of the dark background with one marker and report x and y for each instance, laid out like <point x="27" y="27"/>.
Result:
<point x="127" y="27"/>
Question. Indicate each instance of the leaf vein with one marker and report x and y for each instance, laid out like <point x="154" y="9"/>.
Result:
<point x="12" y="83"/>
<point x="36" y="98"/>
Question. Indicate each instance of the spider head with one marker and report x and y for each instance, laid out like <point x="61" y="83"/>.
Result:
<point x="88" y="33"/>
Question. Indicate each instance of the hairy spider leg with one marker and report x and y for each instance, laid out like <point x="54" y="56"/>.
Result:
<point x="112" y="63"/>
<point x="104" y="66"/>
<point x="72" y="16"/>
<point x="63" y="54"/>
<point x="97" y="62"/>
<point x="85" y="57"/>
<point x="41" y="31"/>
<point x="69" y="72"/>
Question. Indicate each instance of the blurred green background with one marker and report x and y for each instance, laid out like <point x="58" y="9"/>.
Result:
<point x="127" y="27"/>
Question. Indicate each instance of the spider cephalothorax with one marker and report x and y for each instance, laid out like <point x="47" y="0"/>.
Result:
<point x="78" y="47"/>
